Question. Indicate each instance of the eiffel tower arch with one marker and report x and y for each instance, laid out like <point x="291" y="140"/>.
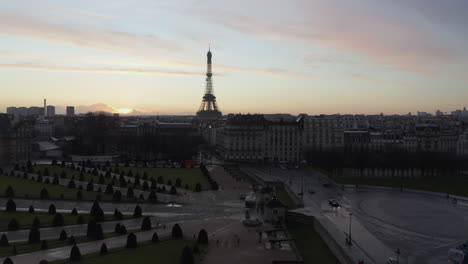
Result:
<point x="209" y="109"/>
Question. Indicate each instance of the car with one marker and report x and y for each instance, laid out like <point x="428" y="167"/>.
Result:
<point x="326" y="185"/>
<point x="333" y="203"/>
<point x="392" y="261"/>
<point x="311" y="191"/>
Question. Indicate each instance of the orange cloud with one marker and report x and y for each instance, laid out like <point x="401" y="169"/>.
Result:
<point x="29" y="27"/>
<point x="382" y="36"/>
<point x="377" y="80"/>
<point x="59" y="68"/>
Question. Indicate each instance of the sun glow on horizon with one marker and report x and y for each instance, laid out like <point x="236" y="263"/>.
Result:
<point x="124" y="110"/>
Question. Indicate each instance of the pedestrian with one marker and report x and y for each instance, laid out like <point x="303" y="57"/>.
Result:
<point x="217" y="241"/>
<point x="238" y="241"/>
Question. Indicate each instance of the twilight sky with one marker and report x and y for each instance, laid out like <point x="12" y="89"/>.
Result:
<point x="304" y="56"/>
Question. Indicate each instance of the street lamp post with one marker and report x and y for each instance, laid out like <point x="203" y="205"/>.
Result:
<point x="398" y="255"/>
<point x="302" y="187"/>
<point x="349" y="235"/>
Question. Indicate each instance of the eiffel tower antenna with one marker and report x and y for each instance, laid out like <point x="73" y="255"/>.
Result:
<point x="209" y="109"/>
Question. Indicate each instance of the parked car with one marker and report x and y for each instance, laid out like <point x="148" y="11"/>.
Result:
<point x="311" y="191"/>
<point x="333" y="203"/>
<point x="326" y="185"/>
<point x="392" y="261"/>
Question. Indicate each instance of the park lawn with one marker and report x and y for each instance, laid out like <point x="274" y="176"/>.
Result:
<point x="284" y="197"/>
<point x="166" y="251"/>
<point x="56" y="169"/>
<point x="186" y="175"/>
<point x="26" y="219"/>
<point x="311" y="245"/>
<point x="24" y="188"/>
<point x="24" y="247"/>
<point x="451" y="185"/>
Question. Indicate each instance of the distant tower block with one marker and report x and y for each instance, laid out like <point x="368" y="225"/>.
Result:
<point x="208" y="108"/>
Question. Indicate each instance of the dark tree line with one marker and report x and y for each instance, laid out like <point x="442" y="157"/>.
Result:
<point x="391" y="163"/>
<point x="100" y="133"/>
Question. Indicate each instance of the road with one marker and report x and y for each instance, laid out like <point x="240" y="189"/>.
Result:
<point x="365" y="244"/>
<point x="422" y="226"/>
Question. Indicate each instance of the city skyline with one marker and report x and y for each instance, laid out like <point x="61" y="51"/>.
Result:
<point x="101" y="107"/>
<point x="150" y="57"/>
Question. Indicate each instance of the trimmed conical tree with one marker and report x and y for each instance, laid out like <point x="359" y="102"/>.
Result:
<point x="63" y="235"/>
<point x="94" y="208"/>
<point x="177" y="232"/>
<point x="7" y="261"/>
<point x="34" y="236"/>
<point x="146" y="224"/>
<point x="99" y="217"/>
<point x="75" y="254"/>
<point x="58" y="220"/>
<point x="10" y="206"/>
<point x="187" y="256"/>
<point x="137" y="212"/>
<point x="36" y="223"/>
<point x="91" y="229"/>
<point x="130" y="192"/>
<point x="152" y="197"/>
<point x="117" y="196"/>
<point x="90" y="186"/>
<point x="9" y="192"/>
<point x="4" y="241"/>
<point x="13" y="225"/>
<point x="155" y="238"/>
<point x="131" y="241"/>
<point x="104" y="250"/>
<point x="173" y="190"/>
<point x="52" y="209"/>
<point x="202" y="237"/>
<point x="109" y="189"/>
<point x="44" y="194"/>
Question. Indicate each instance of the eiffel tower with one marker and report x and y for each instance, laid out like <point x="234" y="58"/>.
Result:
<point x="209" y="109"/>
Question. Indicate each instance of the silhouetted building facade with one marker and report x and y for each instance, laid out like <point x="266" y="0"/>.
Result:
<point x="70" y="111"/>
<point x="15" y="140"/>
<point x="50" y="110"/>
<point x="253" y="138"/>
